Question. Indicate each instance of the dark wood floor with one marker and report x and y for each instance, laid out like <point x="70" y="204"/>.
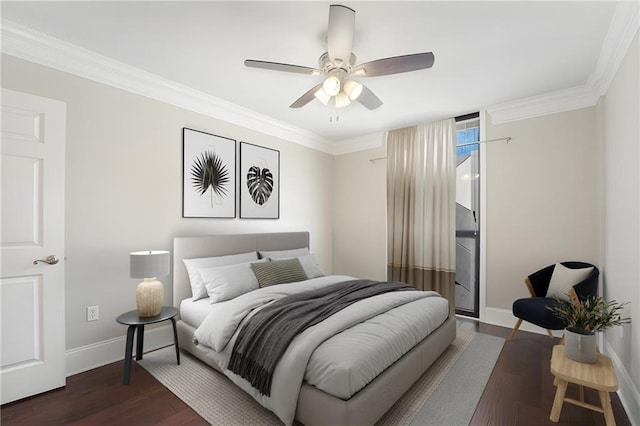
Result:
<point x="519" y="392"/>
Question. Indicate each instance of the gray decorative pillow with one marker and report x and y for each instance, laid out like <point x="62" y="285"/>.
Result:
<point x="309" y="264"/>
<point x="278" y="272"/>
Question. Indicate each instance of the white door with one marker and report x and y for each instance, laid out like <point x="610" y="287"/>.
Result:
<point x="32" y="295"/>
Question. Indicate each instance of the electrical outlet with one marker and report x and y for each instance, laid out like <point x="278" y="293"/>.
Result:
<point x="93" y="313"/>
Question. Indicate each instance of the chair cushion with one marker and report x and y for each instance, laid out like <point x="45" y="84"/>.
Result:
<point x="535" y="310"/>
<point x="564" y="278"/>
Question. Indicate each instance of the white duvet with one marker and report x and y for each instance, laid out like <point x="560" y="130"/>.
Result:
<point x="381" y="328"/>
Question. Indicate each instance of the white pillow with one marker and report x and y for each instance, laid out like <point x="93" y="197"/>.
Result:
<point x="284" y="254"/>
<point x="226" y="282"/>
<point x="309" y="264"/>
<point x="564" y="278"/>
<point x="198" y="290"/>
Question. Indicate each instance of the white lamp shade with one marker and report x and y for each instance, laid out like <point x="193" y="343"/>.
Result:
<point x="342" y="100"/>
<point x="353" y="89"/>
<point x="331" y="85"/>
<point x="148" y="264"/>
<point x="322" y="96"/>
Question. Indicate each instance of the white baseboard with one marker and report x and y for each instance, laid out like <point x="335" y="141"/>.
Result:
<point x="505" y="318"/>
<point x="627" y="390"/>
<point x="102" y="353"/>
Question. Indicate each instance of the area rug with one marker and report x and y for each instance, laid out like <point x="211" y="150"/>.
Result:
<point x="447" y="393"/>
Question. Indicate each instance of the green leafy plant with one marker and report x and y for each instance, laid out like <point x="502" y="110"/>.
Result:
<point x="590" y="315"/>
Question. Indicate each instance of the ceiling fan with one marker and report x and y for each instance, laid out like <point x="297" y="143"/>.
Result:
<point x="338" y="65"/>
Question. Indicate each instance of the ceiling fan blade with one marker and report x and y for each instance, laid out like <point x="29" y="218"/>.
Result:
<point x="306" y="98"/>
<point x="276" y="66"/>
<point x="368" y="99"/>
<point x="395" y="65"/>
<point x="342" y="21"/>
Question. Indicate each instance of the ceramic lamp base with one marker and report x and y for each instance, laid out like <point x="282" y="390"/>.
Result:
<point x="149" y="296"/>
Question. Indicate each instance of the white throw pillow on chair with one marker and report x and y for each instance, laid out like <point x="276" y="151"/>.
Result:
<point x="564" y="278"/>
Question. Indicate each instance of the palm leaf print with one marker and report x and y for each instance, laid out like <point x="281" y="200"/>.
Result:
<point x="208" y="171"/>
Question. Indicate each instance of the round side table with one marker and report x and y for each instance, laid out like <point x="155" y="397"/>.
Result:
<point x="137" y="323"/>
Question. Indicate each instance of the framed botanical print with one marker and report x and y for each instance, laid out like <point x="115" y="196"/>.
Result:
<point x="208" y="175"/>
<point x="259" y="182"/>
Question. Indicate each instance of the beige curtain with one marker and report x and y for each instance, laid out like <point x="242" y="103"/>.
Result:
<point x="421" y="194"/>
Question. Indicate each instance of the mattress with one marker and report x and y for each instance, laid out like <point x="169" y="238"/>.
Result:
<point x="348" y="361"/>
<point x="194" y="312"/>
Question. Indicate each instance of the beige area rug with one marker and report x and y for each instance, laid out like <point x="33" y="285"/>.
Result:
<point x="220" y="402"/>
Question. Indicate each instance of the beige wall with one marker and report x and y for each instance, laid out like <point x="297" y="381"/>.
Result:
<point x="621" y="269"/>
<point x="541" y="199"/>
<point x="541" y="203"/>
<point x="124" y="189"/>
<point x="360" y="215"/>
<point x="567" y="187"/>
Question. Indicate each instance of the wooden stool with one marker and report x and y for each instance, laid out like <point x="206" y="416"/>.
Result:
<point x="599" y="376"/>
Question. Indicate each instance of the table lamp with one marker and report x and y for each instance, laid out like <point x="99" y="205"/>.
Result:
<point x="149" y="265"/>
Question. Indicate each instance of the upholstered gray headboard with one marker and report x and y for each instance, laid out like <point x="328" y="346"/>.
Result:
<point x="222" y="245"/>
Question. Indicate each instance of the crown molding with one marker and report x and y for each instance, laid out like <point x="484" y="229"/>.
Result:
<point x="19" y="41"/>
<point x="42" y="49"/>
<point x="548" y="103"/>
<point x="359" y="143"/>
<point x="622" y="29"/>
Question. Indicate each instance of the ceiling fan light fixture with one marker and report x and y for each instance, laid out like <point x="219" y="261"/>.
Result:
<point x="322" y="96"/>
<point x="331" y="85"/>
<point x="353" y="89"/>
<point x="337" y="65"/>
<point x="342" y="100"/>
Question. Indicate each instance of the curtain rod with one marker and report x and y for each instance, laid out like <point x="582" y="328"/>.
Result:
<point x="508" y="138"/>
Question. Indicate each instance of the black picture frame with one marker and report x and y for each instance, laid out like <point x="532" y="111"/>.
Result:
<point x="208" y="175"/>
<point x="259" y="177"/>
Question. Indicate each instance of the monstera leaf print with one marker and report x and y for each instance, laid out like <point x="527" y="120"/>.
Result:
<point x="260" y="184"/>
<point x="208" y="171"/>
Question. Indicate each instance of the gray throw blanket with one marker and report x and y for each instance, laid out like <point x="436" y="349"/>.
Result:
<point x="264" y="338"/>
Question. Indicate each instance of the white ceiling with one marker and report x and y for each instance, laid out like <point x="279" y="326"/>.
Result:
<point x="486" y="53"/>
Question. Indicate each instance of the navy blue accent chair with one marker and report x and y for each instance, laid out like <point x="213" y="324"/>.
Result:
<point x="535" y="310"/>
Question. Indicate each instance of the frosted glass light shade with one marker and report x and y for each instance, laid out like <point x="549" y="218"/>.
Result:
<point x="331" y="85"/>
<point x="342" y="100"/>
<point x="150" y="293"/>
<point x="353" y="89"/>
<point x="322" y="96"/>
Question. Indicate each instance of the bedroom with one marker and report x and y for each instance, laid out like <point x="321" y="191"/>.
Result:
<point x="109" y="195"/>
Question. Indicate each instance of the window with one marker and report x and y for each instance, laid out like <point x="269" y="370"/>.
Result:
<point x="468" y="214"/>
<point x="467" y="131"/>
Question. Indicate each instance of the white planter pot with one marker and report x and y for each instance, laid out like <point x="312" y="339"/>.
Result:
<point x="580" y="347"/>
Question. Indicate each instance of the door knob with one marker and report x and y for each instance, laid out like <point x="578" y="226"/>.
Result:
<point x="50" y="260"/>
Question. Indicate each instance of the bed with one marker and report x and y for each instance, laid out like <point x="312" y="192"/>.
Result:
<point x="314" y="405"/>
